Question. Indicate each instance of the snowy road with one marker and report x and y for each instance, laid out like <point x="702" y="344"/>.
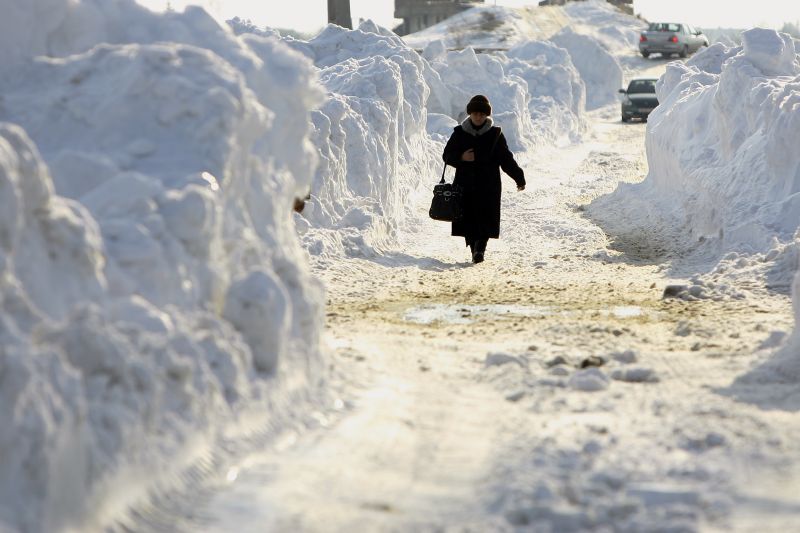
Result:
<point x="466" y="408"/>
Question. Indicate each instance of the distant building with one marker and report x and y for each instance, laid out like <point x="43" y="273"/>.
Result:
<point x="420" y="14"/>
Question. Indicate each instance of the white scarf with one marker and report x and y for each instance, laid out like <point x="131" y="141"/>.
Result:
<point x="469" y="128"/>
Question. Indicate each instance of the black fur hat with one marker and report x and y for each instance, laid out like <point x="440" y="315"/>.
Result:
<point x="480" y="104"/>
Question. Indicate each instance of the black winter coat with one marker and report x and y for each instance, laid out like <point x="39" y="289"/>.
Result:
<point x="480" y="180"/>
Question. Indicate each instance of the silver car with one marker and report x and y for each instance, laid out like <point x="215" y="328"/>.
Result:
<point x="667" y="38"/>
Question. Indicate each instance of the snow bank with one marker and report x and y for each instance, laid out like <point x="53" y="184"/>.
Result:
<point x="600" y="71"/>
<point x="370" y="135"/>
<point x="618" y="32"/>
<point x="537" y="94"/>
<point x="720" y="145"/>
<point x="556" y="94"/>
<point x="724" y="167"/>
<point x="153" y="288"/>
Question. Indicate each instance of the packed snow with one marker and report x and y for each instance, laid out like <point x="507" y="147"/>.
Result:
<point x="157" y="288"/>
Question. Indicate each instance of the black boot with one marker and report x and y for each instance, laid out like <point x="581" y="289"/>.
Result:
<point x="478" y="249"/>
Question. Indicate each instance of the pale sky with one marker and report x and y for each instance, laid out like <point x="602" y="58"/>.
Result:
<point x="310" y="15"/>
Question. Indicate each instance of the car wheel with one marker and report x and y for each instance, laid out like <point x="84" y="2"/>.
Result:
<point x="684" y="51"/>
<point x="645" y="54"/>
<point x="625" y="119"/>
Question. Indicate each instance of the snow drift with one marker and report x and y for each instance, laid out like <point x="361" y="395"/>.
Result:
<point x="617" y="32"/>
<point x="537" y="94"/>
<point x="153" y="289"/>
<point x="721" y="166"/>
<point x="599" y="70"/>
<point x="370" y="136"/>
<point x="720" y="143"/>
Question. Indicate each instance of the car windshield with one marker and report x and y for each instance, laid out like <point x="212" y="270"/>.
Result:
<point x="642" y="86"/>
<point x="664" y="26"/>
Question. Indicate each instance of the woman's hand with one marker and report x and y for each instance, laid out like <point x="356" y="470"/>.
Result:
<point x="469" y="155"/>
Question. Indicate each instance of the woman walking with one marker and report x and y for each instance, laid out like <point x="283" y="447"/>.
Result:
<point x="478" y="150"/>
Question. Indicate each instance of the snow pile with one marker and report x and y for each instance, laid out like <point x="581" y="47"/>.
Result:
<point x="617" y="31"/>
<point x="370" y="135"/>
<point x="537" y="95"/>
<point x="152" y="286"/>
<point x="720" y="145"/>
<point x="556" y="94"/>
<point x="600" y="71"/>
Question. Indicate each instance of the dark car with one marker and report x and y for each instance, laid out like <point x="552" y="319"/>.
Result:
<point x="640" y="99"/>
<point x="667" y="38"/>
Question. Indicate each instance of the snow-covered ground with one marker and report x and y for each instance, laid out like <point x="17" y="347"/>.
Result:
<point x="162" y="307"/>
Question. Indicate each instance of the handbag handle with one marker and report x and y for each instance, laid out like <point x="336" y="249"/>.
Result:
<point x="443" y="170"/>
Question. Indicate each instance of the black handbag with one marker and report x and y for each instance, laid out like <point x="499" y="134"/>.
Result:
<point x="446" y="203"/>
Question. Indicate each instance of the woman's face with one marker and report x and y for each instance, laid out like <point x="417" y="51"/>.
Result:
<point x="477" y="118"/>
